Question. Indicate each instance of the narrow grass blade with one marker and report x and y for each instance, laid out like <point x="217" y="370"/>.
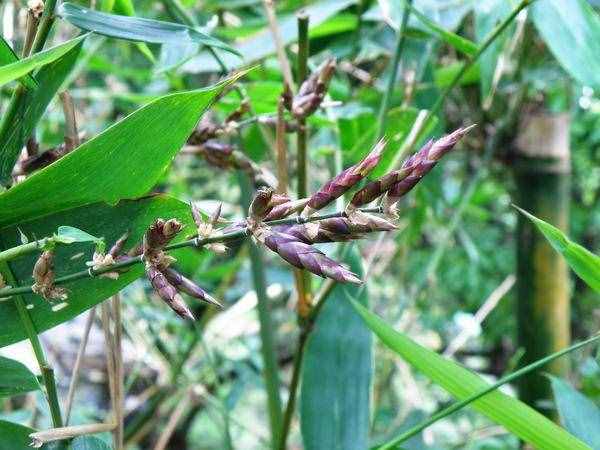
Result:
<point x="507" y="411"/>
<point x="8" y="56"/>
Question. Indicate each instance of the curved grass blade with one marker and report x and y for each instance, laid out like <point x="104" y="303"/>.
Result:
<point x="22" y="67"/>
<point x="583" y="262"/>
<point x="137" y="29"/>
<point x="507" y="411"/>
<point x="8" y="56"/>
<point x="467" y="401"/>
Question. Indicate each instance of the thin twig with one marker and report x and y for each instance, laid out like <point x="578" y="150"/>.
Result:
<point x="282" y="172"/>
<point x="110" y="362"/>
<point x="40" y="438"/>
<point x="71" y="133"/>
<point x="488" y="306"/>
<point x="284" y="62"/>
<point x="387" y="95"/>
<point x="119" y="378"/>
<point x="194" y="242"/>
<point x="186" y="401"/>
<point x="77" y="366"/>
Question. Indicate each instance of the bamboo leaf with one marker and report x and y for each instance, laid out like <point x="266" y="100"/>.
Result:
<point x="14" y="436"/>
<point x="124" y="161"/>
<point x="458" y="42"/>
<point x="22" y="67"/>
<point x="98" y="219"/>
<point x="571" y="29"/>
<point x="17" y="128"/>
<point x="8" y="56"/>
<point x="69" y="235"/>
<point x="337" y="371"/>
<point x="137" y="29"/>
<point x="583" y="262"/>
<point x="507" y="411"/>
<point x="15" y="378"/>
<point x="578" y="414"/>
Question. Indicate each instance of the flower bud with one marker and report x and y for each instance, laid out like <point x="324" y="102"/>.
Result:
<point x="160" y="233"/>
<point x="312" y="91"/>
<point x="167" y="292"/>
<point x="186" y="285"/>
<point x="341" y="183"/>
<point x="285" y="209"/>
<point x="304" y="256"/>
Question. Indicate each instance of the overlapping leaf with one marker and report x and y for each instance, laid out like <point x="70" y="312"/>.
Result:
<point x="8" y="56"/>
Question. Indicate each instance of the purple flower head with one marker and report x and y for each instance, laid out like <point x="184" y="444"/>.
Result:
<point x="344" y="181"/>
<point x="167" y="292"/>
<point x="304" y="256"/>
<point x="186" y="285"/>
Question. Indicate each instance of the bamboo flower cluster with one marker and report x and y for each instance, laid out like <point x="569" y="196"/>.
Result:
<point x="166" y="281"/>
<point x="294" y="242"/>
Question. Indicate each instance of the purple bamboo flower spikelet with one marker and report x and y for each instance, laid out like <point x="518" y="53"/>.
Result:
<point x="304" y="256"/>
<point x="337" y="229"/>
<point x="186" y="285"/>
<point x="344" y="181"/>
<point x="425" y="159"/>
<point x="167" y="292"/>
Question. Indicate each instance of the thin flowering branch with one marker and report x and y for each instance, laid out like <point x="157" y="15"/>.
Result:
<point x="195" y="242"/>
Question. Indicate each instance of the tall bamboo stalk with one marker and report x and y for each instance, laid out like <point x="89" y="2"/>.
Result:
<point x="542" y="175"/>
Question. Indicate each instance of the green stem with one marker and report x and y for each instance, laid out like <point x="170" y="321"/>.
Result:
<point x="22" y="250"/>
<point x="45" y="25"/>
<point x="291" y="403"/>
<point x="38" y="350"/>
<point x="387" y="95"/>
<point x="179" y="13"/>
<point x="195" y="242"/>
<point x="269" y="354"/>
<point x="302" y="73"/>
<point x="473" y="59"/>
<point x="459" y="405"/>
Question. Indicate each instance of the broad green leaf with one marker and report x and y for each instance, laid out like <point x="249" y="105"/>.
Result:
<point x="261" y="44"/>
<point x="15" y="378"/>
<point x="583" y="262"/>
<point x="88" y="443"/>
<point x="14" y="436"/>
<point x="68" y="235"/>
<point x="124" y="161"/>
<point x="137" y="29"/>
<point x="578" y="414"/>
<point x="458" y="42"/>
<point x="19" y="127"/>
<point x="8" y="56"/>
<point x="336" y="373"/>
<point x="98" y="219"/>
<point x="22" y="67"/>
<point x="515" y="416"/>
<point x="571" y="29"/>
